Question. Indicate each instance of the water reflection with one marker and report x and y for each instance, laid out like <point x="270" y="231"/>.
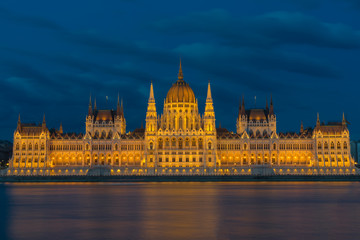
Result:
<point x="180" y="211"/>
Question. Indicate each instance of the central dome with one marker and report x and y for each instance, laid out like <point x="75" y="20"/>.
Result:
<point x="180" y="92"/>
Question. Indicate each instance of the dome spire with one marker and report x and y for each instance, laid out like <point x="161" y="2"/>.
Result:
<point x="180" y="75"/>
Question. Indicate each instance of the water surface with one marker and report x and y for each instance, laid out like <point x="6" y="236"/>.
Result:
<point x="166" y="211"/>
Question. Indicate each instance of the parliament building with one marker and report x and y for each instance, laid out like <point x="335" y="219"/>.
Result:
<point x="181" y="141"/>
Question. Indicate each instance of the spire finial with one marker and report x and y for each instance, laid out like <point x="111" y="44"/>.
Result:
<point x="318" y="120"/>
<point x="61" y="128"/>
<point x="118" y="110"/>
<point x="209" y="91"/>
<point x="243" y="106"/>
<point x="44" y="122"/>
<point x="301" y="127"/>
<point x="90" y="111"/>
<point x="344" y="122"/>
<point x="19" y="123"/>
<point x="180" y="75"/>
<point x="151" y="95"/>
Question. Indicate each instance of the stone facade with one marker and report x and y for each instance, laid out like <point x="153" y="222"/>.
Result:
<point x="181" y="142"/>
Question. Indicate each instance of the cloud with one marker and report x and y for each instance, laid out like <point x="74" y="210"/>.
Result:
<point x="267" y="30"/>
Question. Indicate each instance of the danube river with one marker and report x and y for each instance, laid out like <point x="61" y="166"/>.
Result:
<point x="260" y="210"/>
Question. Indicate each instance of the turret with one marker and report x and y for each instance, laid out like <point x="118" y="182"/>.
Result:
<point x="151" y="115"/>
<point x="209" y="115"/>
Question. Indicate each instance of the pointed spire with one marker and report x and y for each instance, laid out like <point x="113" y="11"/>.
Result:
<point x="19" y="123"/>
<point x="271" y="111"/>
<point x="90" y="111"/>
<point x="243" y="106"/>
<point x="301" y="127"/>
<point x="151" y="95"/>
<point x="318" y="120"/>
<point x="209" y="92"/>
<point x="180" y="75"/>
<point x="44" y="122"/>
<point x="95" y="107"/>
<point x="118" y="110"/>
<point x="61" y="128"/>
<point x="344" y="122"/>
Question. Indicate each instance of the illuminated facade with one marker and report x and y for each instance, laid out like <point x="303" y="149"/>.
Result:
<point x="181" y="142"/>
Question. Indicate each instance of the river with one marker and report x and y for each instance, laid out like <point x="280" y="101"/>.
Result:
<point x="210" y="210"/>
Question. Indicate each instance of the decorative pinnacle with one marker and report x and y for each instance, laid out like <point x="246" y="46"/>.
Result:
<point x="180" y="75"/>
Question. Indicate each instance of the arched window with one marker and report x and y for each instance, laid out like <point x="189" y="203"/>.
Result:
<point x="187" y="142"/>
<point x="274" y="146"/>
<point x="17" y="146"/>
<point x="319" y="145"/>
<point x="332" y="145"/>
<point x="160" y="143"/>
<point x="173" y="142"/>
<point x="103" y="134"/>
<point x="245" y="146"/>
<point x="87" y="147"/>
<point x="167" y="142"/>
<point x="209" y="145"/>
<point x="257" y="133"/>
<point x="151" y="146"/>
<point x="30" y="147"/>
<point x="36" y="146"/>
<point x="42" y="147"/>
<point x="200" y="143"/>
<point x="23" y="147"/>
<point x="116" y="147"/>
<point x="193" y="142"/>
<point x="180" y="143"/>
<point x="326" y="145"/>
<point x="338" y="145"/>
<point x="345" y="145"/>
<point x="110" y="134"/>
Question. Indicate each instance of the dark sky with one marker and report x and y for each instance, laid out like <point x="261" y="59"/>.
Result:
<point x="53" y="54"/>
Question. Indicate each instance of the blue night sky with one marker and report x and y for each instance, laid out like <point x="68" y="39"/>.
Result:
<point x="53" y="54"/>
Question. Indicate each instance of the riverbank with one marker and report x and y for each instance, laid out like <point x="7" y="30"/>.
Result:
<point x="224" y="178"/>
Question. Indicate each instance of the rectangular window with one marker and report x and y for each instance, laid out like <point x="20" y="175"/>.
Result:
<point x="173" y="160"/>
<point x="180" y="159"/>
<point x="167" y="159"/>
<point x="160" y="159"/>
<point x="194" y="159"/>
<point x="187" y="159"/>
<point x="209" y="159"/>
